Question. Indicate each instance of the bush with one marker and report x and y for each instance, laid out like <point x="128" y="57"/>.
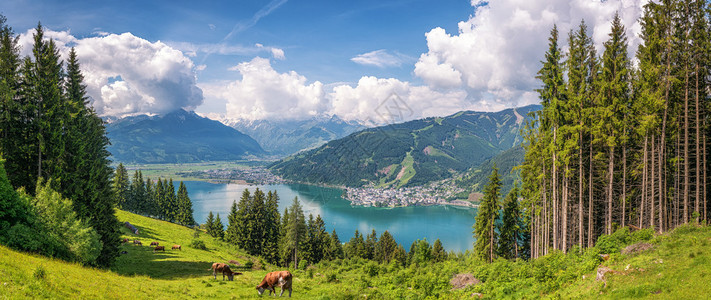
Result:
<point x="249" y="264"/>
<point x="302" y="265"/>
<point x="331" y="277"/>
<point x="614" y="242"/>
<point x="372" y="269"/>
<point x="198" y="244"/>
<point x="39" y="273"/>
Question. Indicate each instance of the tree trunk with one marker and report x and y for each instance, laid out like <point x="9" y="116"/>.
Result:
<point x="624" y="183"/>
<point x="590" y="198"/>
<point x="698" y="139"/>
<point x="686" y="147"/>
<point x="580" y="188"/>
<point x="610" y="175"/>
<point x="643" y="200"/>
<point x="554" y="191"/>
<point x="565" y="210"/>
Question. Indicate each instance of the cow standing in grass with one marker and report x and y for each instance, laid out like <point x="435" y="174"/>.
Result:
<point x="159" y="248"/>
<point x="277" y="278"/>
<point x="224" y="269"/>
<point x="154" y="243"/>
<point x="177" y="247"/>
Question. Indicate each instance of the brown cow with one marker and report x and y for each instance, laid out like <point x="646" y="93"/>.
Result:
<point x="125" y="241"/>
<point x="154" y="243"/>
<point x="176" y="247"/>
<point x="159" y="248"/>
<point x="224" y="269"/>
<point x="277" y="278"/>
<point x="137" y="242"/>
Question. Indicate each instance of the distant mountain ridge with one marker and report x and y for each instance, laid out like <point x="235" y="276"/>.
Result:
<point x="177" y="137"/>
<point x="286" y="137"/>
<point x="410" y="153"/>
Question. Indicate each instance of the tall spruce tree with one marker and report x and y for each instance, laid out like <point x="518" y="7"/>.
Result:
<point x="484" y="226"/>
<point x="185" y="207"/>
<point x="295" y="231"/>
<point x="120" y="186"/>
<point x="510" y="230"/>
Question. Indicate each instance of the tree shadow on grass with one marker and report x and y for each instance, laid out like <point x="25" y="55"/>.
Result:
<point x="141" y="260"/>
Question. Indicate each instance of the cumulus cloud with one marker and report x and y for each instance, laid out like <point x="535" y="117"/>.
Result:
<point x="496" y="53"/>
<point x="380" y="58"/>
<point x="389" y="100"/>
<point x="265" y="93"/>
<point x="128" y="75"/>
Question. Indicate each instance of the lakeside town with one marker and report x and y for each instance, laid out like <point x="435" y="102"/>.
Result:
<point x="439" y="193"/>
<point x="253" y="175"/>
<point x="436" y="193"/>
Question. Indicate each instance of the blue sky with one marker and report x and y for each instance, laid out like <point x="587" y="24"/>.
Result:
<point x="319" y="37"/>
<point x="299" y="59"/>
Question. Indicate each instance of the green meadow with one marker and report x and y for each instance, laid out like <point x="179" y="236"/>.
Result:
<point x="677" y="267"/>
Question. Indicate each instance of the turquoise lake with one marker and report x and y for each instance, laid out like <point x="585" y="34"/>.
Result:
<point x="452" y="225"/>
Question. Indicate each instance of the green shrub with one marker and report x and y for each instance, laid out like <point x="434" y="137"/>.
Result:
<point x="198" y="244"/>
<point x="302" y="265"/>
<point x="249" y="264"/>
<point x="39" y="273"/>
<point x="371" y="269"/>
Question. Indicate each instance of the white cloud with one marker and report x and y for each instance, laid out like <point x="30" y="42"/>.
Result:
<point x="380" y="58"/>
<point x="127" y="75"/>
<point x="390" y="100"/>
<point x="265" y="93"/>
<point x="496" y="53"/>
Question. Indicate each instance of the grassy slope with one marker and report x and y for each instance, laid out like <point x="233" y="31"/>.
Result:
<point x="678" y="268"/>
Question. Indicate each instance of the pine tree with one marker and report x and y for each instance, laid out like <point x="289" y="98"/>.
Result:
<point x="438" y="253"/>
<point x="385" y="248"/>
<point x="210" y="224"/>
<point x="295" y="231"/>
<point x="217" y="228"/>
<point x="486" y="236"/>
<point x="370" y="241"/>
<point x="120" y="186"/>
<point x="171" y="201"/>
<point x="270" y="244"/>
<point x="233" y="225"/>
<point x="335" y="249"/>
<point x="185" y="207"/>
<point x="510" y="231"/>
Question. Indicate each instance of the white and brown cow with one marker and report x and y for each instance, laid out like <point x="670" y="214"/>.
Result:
<point x="277" y="278"/>
<point x="224" y="269"/>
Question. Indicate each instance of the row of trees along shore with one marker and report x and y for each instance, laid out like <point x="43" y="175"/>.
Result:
<point x="256" y="226"/>
<point x="621" y="143"/>
<point x="50" y="135"/>
<point x="158" y="200"/>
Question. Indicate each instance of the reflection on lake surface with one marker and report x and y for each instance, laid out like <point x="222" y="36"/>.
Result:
<point x="452" y="225"/>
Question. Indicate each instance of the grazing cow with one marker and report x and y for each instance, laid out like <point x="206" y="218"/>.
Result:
<point x="137" y="242"/>
<point x="154" y="243"/>
<point x="224" y="269"/>
<point x="277" y="278"/>
<point x="125" y="241"/>
<point x="176" y="247"/>
<point x="159" y="248"/>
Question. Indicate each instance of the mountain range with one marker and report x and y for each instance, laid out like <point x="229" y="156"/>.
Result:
<point x="177" y="137"/>
<point x="410" y="153"/>
<point x="285" y="137"/>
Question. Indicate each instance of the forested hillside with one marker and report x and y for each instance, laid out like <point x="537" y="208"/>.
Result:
<point x="410" y="153"/>
<point x="620" y="143"/>
<point x="177" y="137"/>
